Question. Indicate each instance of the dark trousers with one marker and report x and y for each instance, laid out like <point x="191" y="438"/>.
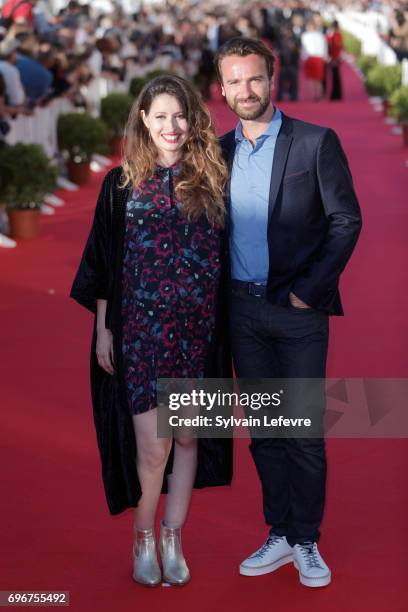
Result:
<point x="336" y="91"/>
<point x="272" y="341"/>
<point x="288" y="82"/>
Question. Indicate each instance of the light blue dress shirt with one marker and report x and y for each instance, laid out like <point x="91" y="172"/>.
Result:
<point x="250" y="184"/>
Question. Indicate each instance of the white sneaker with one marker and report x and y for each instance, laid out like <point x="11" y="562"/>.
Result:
<point x="272" y="555"/>
<point x="313" y="571"/>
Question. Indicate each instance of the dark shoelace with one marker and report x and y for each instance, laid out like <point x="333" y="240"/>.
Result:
<point x="309" y="552"/>
<point x="271" y="541"/>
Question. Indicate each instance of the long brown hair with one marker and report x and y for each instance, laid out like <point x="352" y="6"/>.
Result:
<point x="203" y="173"/>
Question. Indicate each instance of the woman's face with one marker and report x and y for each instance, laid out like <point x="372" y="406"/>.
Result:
<point x="166" y="123"/>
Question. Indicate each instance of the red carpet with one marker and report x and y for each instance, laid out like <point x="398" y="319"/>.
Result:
<point x="56" y="531"/>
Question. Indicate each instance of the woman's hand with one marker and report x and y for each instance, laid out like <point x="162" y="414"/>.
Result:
<point x="104" y="350"/>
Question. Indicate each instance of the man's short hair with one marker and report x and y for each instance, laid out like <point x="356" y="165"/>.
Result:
<point x="243" y="46"/>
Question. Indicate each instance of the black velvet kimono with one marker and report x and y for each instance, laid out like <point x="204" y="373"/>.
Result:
<point x="99" y="276"/>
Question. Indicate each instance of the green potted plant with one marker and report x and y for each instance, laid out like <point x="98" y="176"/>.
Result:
<point x="115" y="109"/>
<point x="375" y="81"/>
<point x="393" y="78"/>
<point x="399" y="105"/>
<point x="351" y="44"/>
<point x="383" y="81"/>
<point x="365" y="63"/>
<point x="136" y="86"/>
<point x="80" y="136"/>
<point x="156" y="73"/>
<point x="27" y="176"/>
<point x="137" y="83"/>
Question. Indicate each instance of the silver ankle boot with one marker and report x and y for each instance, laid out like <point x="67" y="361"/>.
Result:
<point x="146" y="569"/>
<point x="175" y="570"/>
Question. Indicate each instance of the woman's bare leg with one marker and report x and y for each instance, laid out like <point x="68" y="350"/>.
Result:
<point x="181" y="481"/>
<point x="152" y="455"/>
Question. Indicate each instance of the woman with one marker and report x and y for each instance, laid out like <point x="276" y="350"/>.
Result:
<point x="151" y="273"/>
<point x="335" y="47"/>
<point x="314" y="55"/>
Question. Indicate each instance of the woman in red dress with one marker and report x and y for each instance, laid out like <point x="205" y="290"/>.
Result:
<point x="335" y="47"/>
<point x="314" y="54"/>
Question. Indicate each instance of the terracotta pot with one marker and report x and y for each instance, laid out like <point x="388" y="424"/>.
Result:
<point x="386" y="108"/>
<point x="24" y="224"/>
<point x="115" y="145"/>
<point x="405" y="133"/>
<point x="79" y="172"/>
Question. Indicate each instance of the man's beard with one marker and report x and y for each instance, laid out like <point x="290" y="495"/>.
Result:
<point x="255" y="113"/>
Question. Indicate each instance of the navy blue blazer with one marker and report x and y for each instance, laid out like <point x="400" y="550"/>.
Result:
<point x="314" y="218"/>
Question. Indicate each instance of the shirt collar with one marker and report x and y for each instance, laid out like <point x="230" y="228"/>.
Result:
<point x="271" y="130"/>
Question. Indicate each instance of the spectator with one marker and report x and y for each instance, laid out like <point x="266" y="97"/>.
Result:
<point x="4" y="125"/>
<point x="72" y="15"/>
<point x="314" y="53"/>
<point x="399" y="33"/>
<point x="335" y="47"/>
<point x="20" y="11"/>
<point x="14" y="91"/>
<point x="36" y="79"/>
<point x="289" y="55"/>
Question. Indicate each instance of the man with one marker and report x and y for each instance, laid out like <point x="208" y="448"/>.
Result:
<point x="15" y="94"/>
<point x="289" y="56"/>
<point x="293" y="223"/>
<point x="36" y="79"/>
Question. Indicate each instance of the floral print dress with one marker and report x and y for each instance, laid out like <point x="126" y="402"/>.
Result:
<point x="171" y="273"/>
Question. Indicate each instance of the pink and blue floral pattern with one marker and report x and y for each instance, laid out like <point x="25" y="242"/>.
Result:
<point x="171" y="273"/>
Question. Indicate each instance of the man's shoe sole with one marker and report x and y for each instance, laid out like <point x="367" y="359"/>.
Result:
<point x="265" y="569"/>
<point x="313" y="582"/>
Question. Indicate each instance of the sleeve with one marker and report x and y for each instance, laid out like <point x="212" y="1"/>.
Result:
<point x="24" y="13"/>
<point x="318" y="284"/>
<point x="15" y="93"/>
<point x="92" y="278"/>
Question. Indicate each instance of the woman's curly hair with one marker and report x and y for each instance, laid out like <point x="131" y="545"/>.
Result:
<point x="203" y="173"/>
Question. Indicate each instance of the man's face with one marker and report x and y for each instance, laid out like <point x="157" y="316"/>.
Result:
<point x="246" y="85"/>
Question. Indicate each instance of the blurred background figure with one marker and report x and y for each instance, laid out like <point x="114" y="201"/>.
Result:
<point x="14" y="94"/>
<point x="288" y="50"/>
<point x="314" y="54"/>
<point x="335" y="48"/>
<point x="19" y="11"/>
<point x="399" y="31"/>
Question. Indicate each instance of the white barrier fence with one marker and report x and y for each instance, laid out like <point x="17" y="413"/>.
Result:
<point x="368" y="27"/>
<point x="41" y="126"/>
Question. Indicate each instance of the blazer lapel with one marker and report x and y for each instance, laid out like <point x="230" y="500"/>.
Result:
<point x="283" y="143"/>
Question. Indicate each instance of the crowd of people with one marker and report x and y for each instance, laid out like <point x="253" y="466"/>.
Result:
<point x="52" y="48"/>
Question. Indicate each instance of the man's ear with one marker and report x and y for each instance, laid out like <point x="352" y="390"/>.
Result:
<point x="223" y="90"/>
